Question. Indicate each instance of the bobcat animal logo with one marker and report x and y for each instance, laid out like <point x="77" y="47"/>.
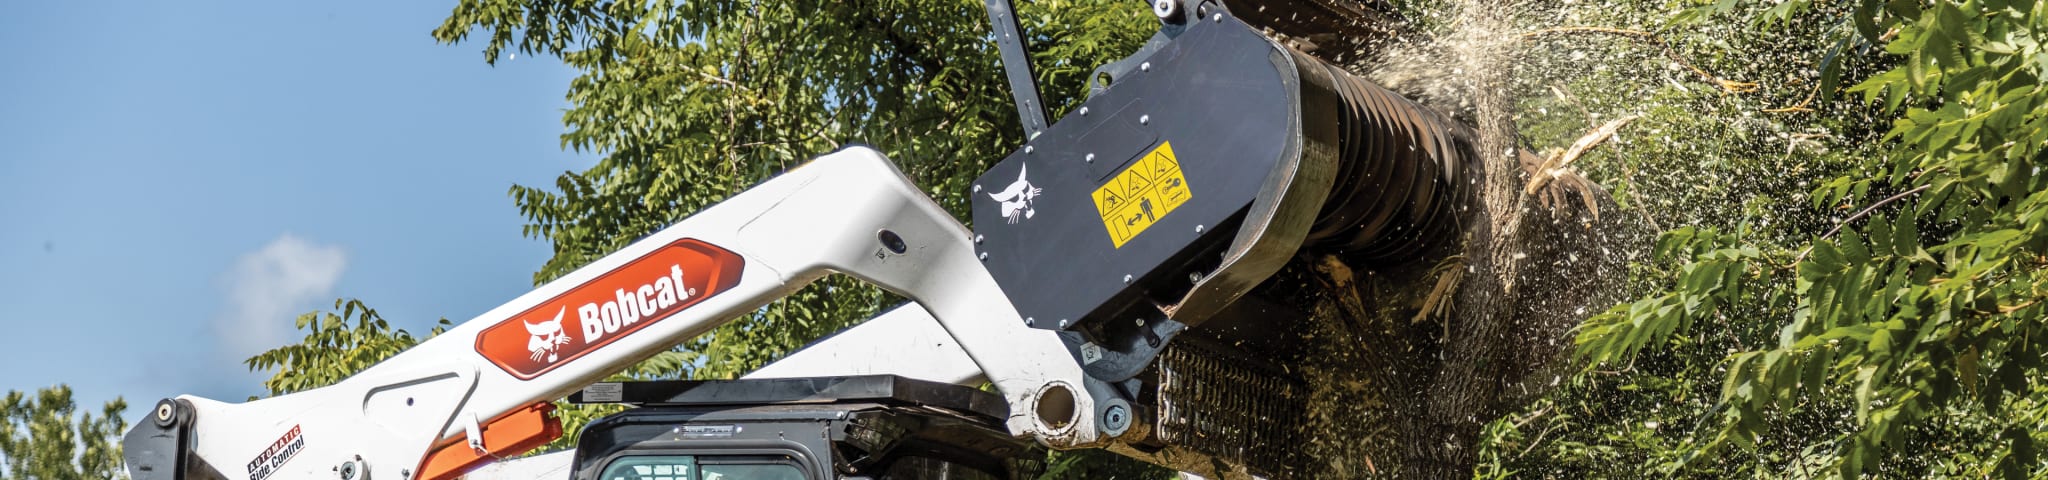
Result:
<point x="1016" y="199"/>
<point x="546" y="337"/>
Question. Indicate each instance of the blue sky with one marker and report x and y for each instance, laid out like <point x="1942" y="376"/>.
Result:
<point x="178" y="180"/>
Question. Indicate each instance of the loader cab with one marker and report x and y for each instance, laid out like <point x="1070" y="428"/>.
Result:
<point x="878" y="427"/>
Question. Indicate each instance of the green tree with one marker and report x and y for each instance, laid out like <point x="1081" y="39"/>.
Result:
<point x="1705" y="152"/>
<point x="43" y="436"/>
<point x="336" y="345"/>
<point x="1871" y="306"/>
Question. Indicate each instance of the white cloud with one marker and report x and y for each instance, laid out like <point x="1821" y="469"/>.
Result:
<point x="269" y="287"/>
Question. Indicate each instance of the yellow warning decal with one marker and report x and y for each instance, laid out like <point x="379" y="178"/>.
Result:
<point x="1143" y="193"/>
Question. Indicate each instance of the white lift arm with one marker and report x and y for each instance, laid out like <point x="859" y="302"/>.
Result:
<point x="481" y="390"/>
<point x="904" y="341"/>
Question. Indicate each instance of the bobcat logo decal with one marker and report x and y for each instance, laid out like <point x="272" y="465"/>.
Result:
<point x="609" y="306"/>
<point x="546" y="336"/>
<point x="1016" y="199"/>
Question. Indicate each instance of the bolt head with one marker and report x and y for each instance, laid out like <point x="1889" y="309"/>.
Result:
<point x="977" y="188"/>
<point x="984" y="256"/>
<point x="1144" y="119"/>
<point x="1028" y="149"/>
<point x="1115" y="418"/>
<point x="1090" y="158"/>
<point x="1217" y="17"/>
<point x="1198" y="229"/>
<point x="977" y="239"/>
<point x="1127" y="278"/>
<point x="1028" y="321"/>
<point x="1063" y="323"/>
<point x="1145" y="67"/>
<point x="1084" y="111"/>
<point x="1165" y="8"/>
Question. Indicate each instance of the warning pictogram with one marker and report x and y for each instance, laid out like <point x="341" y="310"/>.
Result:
<point x="1137" y="197"/>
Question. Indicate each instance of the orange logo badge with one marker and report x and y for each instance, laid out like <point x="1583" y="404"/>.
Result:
<point x="613" y="305"/>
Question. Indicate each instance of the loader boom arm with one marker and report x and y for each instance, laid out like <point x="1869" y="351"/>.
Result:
<point x="481" y="390"/>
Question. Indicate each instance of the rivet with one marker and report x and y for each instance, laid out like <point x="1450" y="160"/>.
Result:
<point x="984" y="256"/>
<point x="1063" y="323"/>
<point x="1028" y="321"/>
<point x="1198" y="229"/>
<point x="1217" y="17"/>
<point x="1144" y="119"/>
<point x="977" y="239"/>
<point x="1028" y="149"/>
<point x="1090" y="158"/>
<point x="977" y="188"/>
<point x="1140" y="322"/>
<point x="1084" y="111"/>
<point x="1127" y="278"/>
<point x="1145" y="67"/>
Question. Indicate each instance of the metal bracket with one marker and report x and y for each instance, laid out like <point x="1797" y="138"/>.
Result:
<point x="1127" y="352"/>
<point x="1002" y="21"/>
<point x="474" y="430"/>
<point x="1173" y="21"/>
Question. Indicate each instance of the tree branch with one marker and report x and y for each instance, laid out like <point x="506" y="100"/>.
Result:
<point x="1859" y="215"/>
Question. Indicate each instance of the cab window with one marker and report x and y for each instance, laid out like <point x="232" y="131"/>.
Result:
<point x="692" y="467"/>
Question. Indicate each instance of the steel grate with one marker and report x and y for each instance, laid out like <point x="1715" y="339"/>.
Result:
<point x="1228" y="410"/>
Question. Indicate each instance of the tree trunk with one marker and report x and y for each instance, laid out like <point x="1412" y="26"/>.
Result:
<point x="1469" y="378"/>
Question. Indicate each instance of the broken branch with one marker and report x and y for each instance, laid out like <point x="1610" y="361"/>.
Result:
<point x="1557" y="165"/>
